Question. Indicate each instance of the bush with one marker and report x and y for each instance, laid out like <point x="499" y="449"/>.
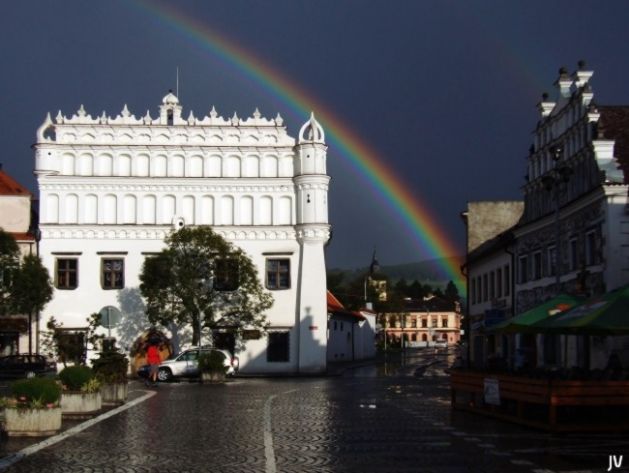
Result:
<point x="111" y="367"/>
<point x="213" y="361"/>
<point x="74" y="377"/>
<point x="36" y="392"/>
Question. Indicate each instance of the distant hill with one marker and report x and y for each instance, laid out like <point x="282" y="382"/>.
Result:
<point x="427" y="272"/>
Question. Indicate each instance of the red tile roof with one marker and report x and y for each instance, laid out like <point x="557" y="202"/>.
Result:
<point x="9" y="186"/>
<point x="22" y="236"/>
<point x="336" y="307"/>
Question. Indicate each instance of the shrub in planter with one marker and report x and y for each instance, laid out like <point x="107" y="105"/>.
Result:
<point x="111" y="367"/>
<point x="111" y="370"/>
<point x="212" y="366"/>
<point x="81" y="396"/>
<point x="36" y="392"/>
<point x="33" y="409"/>
<point x="74" y="377"/>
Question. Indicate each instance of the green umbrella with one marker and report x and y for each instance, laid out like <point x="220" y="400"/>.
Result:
<point x="527" y="321"/>
<point x="607" y="314"/>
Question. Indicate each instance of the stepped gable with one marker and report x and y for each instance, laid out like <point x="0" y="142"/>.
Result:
<point x="614" y="125"/>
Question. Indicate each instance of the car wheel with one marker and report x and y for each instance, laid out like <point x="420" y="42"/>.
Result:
<point x="164" y="374"/>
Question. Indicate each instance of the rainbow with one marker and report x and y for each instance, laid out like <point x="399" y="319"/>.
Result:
<point x="413" y="213"/>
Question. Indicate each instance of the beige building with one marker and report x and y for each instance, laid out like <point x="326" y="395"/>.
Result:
<point x="425" y="322"/>
<point x="15" y="219"/>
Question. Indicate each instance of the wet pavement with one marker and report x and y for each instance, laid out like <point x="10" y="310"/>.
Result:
<point x="392" y="417"/>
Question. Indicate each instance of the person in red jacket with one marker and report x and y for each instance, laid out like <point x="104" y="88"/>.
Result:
<point x="153" y="359"/>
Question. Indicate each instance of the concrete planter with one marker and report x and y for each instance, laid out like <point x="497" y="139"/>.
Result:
<point x="212" y="377"/>
<point x="32" y="422"/>
<point x="78" y="405"/>
<point x="114" y="393"/>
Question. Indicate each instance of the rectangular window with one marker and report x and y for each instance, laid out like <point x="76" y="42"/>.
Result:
<point x="278" y="349"/>
<point x="524" y="269"/>
<point x="499" y="282"/>
<point x="425" y="323"/>
<point x="492" y="285"/>
<point x="434" y="323"/>
<point x="473" y="290"/>
<point x="479" y="293"/>
<point x="113" y="273"/>
<point x="574" y="256"/>
<point x="590" y="248"/>
<point x="226" y="275"/>
<point x="278" y="273"/>
<point x="537" y="265"/>
<point x="552" y="261"/>
<point x="507" y="280"/>
<point x="444" y="322"/>
<point x="485" y="288"/>
<point x="413" y="322"/>
<point x="67" y="273"/>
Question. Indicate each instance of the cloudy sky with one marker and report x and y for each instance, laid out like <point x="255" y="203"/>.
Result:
<point x="443" y="92"/>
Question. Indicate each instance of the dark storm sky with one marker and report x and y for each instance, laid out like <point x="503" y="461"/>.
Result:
<point x="444" y="91"/>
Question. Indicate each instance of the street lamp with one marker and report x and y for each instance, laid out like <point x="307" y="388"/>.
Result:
<point x="555" y="181"/>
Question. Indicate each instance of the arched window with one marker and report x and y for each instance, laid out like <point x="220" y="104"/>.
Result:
<point x="265" y="216"/>
<point x="246" y="210"/>
<point x="71" y="208"/>
<point x="129" y="209"/>
<point x="52" y="208"/>
<point x="188" y="210"/>
<point x="227" y="210"/>
<point x="90" y="209"/>
<point x="207" y="210"/>
<point x="110" y="203"/>
<point x="148" y="209"/>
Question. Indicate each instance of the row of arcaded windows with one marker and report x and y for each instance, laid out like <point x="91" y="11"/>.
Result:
<point x="150" y="209"/>
<point x="174" y="166"/>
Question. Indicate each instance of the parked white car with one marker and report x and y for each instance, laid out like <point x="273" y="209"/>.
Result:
<point x="185" y="364"/>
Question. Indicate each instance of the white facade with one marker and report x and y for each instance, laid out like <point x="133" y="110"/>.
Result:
<point x="113" y="188"/>
<point x="572" y="238"/>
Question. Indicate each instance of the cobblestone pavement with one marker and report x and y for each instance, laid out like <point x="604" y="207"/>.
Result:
<point x="365" y="421"/>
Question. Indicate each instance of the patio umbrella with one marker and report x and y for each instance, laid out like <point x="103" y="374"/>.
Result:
<point x="607" y="314"/>
<point x="527" y="321"/>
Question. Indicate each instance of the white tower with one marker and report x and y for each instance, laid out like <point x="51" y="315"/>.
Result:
<point x="313" y="231"/>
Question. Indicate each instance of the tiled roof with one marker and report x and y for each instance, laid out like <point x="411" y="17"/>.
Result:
<point x="434" y="304"/>
<point x="614" y="124"/>
<point x="22" y="237"/>
<point x="336" y="307"/>
<point x="9" y="186"/>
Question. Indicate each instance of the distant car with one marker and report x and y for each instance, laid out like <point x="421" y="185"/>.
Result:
<point x="185" y="365"/>
<point x="26" y="366"/>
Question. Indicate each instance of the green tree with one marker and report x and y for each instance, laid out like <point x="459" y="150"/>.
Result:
<point x="452" y="293"/>
<point x="9" y="265"/>
<point x="202" y="280"/>
<point x="31" y="291"/>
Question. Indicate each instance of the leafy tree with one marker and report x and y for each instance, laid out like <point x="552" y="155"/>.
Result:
<point x="201" y="279"/>
<point x="451" y="292"/>
<point x="31" y="291"/>
<point x="9" y="265"/>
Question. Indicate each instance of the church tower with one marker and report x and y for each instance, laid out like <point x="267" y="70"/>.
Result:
<point x="313" y="231"/>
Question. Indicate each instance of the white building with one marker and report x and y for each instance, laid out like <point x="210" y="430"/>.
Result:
<point x="111" y="189"/>
<point x="572" y="237"/>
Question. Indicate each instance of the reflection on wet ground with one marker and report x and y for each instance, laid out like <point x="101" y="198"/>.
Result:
<point x="412" y="362"/>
